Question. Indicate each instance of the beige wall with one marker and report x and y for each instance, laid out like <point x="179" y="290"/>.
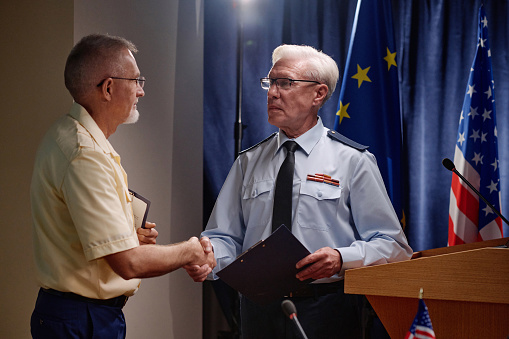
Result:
<point x="36" y="37"/>
<point x="161" y="153"/>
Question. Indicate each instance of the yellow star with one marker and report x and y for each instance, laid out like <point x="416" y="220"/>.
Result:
<point x="362" y="75"/>
<point x="403" y="220"/>
<point x="391" y="59"/>
<point x="342" y="111"/>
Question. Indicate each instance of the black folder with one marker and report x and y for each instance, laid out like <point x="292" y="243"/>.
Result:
<point x="266" y="271"/>
<point x="140" y="207"/>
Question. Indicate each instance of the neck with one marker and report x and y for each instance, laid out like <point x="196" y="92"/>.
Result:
<point x="104" y="124"/>
<point x="295" y="133"/>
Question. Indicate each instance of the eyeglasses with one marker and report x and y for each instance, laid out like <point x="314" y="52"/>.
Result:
<point x="281" y="83"/>
<point x="139" y="81"/>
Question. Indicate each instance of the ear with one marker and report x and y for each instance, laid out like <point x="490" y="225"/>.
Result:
<point x="107" y="89"/>
<point x="321" y="92"/>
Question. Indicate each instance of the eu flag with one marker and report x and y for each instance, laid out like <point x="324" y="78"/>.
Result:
<point x="368" y="109"/>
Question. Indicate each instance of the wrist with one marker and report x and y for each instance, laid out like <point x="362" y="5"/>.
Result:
<point x="340" y="260"/>
<point x="192" y="254"/>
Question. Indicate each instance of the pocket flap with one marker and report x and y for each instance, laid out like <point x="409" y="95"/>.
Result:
<point x="257" y="188"/>
<point x="320" y="190"/>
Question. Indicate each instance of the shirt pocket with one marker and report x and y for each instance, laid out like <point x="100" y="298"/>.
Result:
<point x="257" y="203"/>
<point x="318" y="205"/>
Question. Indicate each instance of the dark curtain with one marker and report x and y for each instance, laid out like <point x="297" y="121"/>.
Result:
<point x="436" y="41"/>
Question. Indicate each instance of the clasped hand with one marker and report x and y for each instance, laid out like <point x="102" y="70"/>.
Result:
<point x="199" y="269"/>
<point x="199" y="272"/>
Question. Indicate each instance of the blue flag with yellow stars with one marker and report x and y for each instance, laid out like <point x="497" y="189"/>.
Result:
<point x="368" y="108"/>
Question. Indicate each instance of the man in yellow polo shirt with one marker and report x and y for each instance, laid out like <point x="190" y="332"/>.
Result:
<point x="86" y="246"/>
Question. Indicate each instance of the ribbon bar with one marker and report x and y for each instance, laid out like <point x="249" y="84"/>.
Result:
<point x="327" y="179"/>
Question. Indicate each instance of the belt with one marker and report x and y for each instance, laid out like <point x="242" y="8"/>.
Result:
<point x="317" y="290"/>
<point x="119" y="301"/>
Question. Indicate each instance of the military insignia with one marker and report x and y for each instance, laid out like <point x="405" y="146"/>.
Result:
<point x="326" y="179"/>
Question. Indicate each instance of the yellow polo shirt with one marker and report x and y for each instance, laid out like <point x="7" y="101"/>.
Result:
<point x="81" y="210"/>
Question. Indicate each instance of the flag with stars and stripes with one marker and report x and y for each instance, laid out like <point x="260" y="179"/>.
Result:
<point x="421" y="327"/>
<point x="476" y="154"/>
<point x="368" y="108"/>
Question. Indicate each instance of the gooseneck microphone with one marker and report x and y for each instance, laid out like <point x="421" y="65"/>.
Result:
<point x="450" y="166"/>
<point x="291" y="312"/>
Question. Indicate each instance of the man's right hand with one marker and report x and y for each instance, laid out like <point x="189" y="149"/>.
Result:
<point x="199" y="269"/>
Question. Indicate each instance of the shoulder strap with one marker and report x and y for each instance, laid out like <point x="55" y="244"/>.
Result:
<point x="341" y="138"/>
<point x="258" y="144"/>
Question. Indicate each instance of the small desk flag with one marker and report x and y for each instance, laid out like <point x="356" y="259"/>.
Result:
<point x="421" y="327"/>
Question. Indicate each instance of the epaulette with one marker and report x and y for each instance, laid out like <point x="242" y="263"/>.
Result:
<point x="258" y="144"/>
<point x="341" y="138"/>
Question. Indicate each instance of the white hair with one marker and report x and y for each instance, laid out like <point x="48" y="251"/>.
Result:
<point x="321" y="67"/>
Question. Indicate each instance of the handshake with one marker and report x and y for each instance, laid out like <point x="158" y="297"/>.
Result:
<point x="203" y="259"/>
<point x="195" y="255"/>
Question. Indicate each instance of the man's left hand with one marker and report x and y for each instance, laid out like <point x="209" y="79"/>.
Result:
<point x="148" y="234"/>
<point x="324" y="263"/>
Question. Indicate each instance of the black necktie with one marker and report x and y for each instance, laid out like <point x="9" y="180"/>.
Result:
<point x="282" y="210"/>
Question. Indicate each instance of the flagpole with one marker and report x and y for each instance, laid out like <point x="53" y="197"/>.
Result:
<point x="238" y="127"/>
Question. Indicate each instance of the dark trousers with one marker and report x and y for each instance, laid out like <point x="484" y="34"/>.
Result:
<point x="56" y="317"/>
<point x="335" y="315"/>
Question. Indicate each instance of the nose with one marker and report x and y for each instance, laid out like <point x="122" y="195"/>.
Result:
<point x="140" y="92"/>
<point x="273" y="90"/>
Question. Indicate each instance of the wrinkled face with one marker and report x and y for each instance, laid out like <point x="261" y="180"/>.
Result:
<point x="127" y="91"/>
<point x="293" y="110"/>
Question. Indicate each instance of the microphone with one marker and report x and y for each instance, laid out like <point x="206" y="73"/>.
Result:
<point x="450" y="166"/>
<point x="291" y="312"/>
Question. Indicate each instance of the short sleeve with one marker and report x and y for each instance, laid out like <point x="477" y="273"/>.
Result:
<point x="98" y="202"/>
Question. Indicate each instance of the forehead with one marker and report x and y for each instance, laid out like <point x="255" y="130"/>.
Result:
<point x="288" y="68"/>
<point x="129" y="63"/>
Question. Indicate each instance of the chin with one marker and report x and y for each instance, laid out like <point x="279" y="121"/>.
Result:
<point x="275" y="120"/>
<point x="133" y="117"/>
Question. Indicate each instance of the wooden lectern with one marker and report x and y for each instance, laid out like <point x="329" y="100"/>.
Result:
<point x="466" y="289"/>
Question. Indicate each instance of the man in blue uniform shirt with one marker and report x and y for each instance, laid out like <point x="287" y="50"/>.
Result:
<point x="347" y="223"/>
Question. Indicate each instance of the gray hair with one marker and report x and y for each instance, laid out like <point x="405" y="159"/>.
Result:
<point x="94" y="58"/>
<point x="321" y="67"/>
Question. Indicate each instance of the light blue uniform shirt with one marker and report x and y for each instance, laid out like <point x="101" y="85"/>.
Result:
<point x="356" y="218"/>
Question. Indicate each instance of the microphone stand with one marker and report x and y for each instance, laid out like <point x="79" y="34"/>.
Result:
<point x="291" y="312"/>
<point x="447" y="164"/>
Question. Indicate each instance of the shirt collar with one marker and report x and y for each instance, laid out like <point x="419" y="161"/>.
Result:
<point x="307" y="140"/>
<point x="79" y="113"/>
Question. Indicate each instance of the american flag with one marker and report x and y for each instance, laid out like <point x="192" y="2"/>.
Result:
<point x="476" y="154"/>
<point x="421" y="327"/>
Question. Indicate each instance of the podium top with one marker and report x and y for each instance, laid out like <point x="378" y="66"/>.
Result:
<point x="461" y="248"/>
<point x="453" y="273"/>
